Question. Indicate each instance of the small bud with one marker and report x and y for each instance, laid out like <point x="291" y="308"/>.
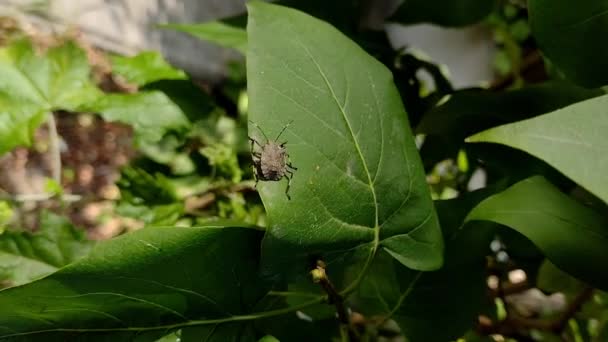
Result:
<point x="318" y="274"/>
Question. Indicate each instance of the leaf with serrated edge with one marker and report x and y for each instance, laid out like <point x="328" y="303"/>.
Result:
<point x="151" y="113"/>
<point x="25" y="256"/>
<point x="144" y="68"/>
<point x="359" y="182"/>
<point x="32" y="85"/>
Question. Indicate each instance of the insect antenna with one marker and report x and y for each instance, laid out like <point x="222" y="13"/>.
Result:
<point x="260" y="129"/>
<point x="283" y="130"/>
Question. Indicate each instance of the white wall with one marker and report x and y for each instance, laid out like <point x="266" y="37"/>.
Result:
<point x="127" y="26"/>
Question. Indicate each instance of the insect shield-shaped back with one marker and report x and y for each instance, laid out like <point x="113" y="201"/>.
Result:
<point x="271" y="160"/>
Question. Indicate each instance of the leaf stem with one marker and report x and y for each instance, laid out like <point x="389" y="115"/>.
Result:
<point x="402" y="298"/>
<point x="39" y="197"/>
<point x="353" y="286"/>
<point x="292" y="294"/>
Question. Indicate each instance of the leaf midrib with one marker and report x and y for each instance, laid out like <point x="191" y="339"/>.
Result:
<point x="356" y="143"/>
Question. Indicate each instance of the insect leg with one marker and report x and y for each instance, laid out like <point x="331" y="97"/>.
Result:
<point x="252" y="142"/>
<point x="291" y="166"/>
<point x="255" y="176"/>
<point x="288" y="182"/>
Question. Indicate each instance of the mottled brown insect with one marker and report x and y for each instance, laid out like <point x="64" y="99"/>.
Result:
<point x="271" y="162"/>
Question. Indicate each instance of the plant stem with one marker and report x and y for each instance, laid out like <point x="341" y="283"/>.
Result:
<point x="39" y="197"/>
<point x="54" y="148"/>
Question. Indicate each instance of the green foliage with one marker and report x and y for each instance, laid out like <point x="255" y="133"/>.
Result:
<point x="342" y="133"/>
<point x="450" y="297"/>
<point x="150" y="113"/>
<point x="144" y="68"/>
<point x="26" y="256"/>
<point x="138" y="283"/>
<point x="570" y="35"/>
<point x="31" y="85"/>
<point x="216" y="32"/>
<point x="223" y="160"/>
<point x="221" y="259"/>
<point x="570" y="139"/>
<point x="569" y="233"/>
<point x="6" y="213"/>
<point x="443" y="12"/>
<point x="470" y="111"/>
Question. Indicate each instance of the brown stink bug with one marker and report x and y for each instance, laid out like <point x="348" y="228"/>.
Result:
<point x="271" y="162"/>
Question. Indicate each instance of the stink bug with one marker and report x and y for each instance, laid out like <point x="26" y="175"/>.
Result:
<point x="271" y="161"/>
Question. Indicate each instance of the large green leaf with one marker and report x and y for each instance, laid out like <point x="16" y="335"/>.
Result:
<point x="151" y="113"/>
<point x="359" y="182"/>
<point x="443" y="12"/>
<point x="472" y="110"/>
<point x="153" y="280"/>
<point x="572" y="139"/>
<point x="451" y="297"/>
<point x="26" y="256"/>
<point x="217" y="32"/>
<point x="572" y="35"/>
<point x="144" y="68"/>
<point x="571" y="235"/>
<point x="33" y="84"/>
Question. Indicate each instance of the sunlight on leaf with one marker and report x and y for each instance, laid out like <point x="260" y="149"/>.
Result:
<point x="144" y="68"/>
<point x="359" y="182"/>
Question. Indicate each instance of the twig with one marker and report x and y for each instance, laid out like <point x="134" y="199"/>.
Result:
<point x="575" y="306"/>
<point x="39" y="197"/>
<point x="513" y="324"/>
<point x="530" y="61"/>
<point x="54" y="148"/>
<point x="319" y="276"/>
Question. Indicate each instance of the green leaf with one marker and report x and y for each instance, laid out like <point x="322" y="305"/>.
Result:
<point x="443" y="12"/>
<point x="151" y="113"/>
<point x="152" y="280"/>
<point x="235" y="332"/>
<point x="26" y="256"/>
<point x="6" y="213"/>
<point x="451" y="297"/>
<point x="144" y="68"/>
<point x="17" y="126"/>
<point x="138" y="186"/>
<point x="346" y="16"/>
<point x="571" y="139"/>
<point x="152" y="215"/>
<point x="268" y="338"/>
<point x="191" y="99"/>
<point x="551" y="279"/>
<point x="571" y="37"/>
<point x="571" y="235"/>
<point x="472" y="110"/>
<point x="216" y="32"/>
<point x="33" y="84"/>
<point x="359" y="182"/>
